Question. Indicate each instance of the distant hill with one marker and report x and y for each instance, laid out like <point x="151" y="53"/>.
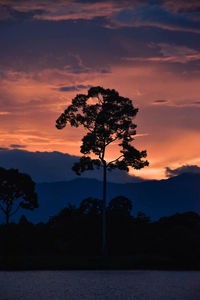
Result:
<point x="54" y="166"/>
<point x="156" y="198"/>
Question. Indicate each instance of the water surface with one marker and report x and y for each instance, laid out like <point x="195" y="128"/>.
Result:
<point x="100" y="285"/>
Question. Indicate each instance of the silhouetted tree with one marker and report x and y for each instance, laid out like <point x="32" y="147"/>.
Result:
<point x="17" y="190"/>
<point x="142" y="218"/>
<point x="64" y="215"/>
<point x="68" y="211"/>
<point x="91" y="206"/>
<point x="120" y="205"/>
<point x="23" y="221"/>
<point x="107" y="117"/>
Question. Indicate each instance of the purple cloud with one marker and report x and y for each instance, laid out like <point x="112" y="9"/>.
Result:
<point x="155" y="16"/>
<point x="73" y="88"/>
<point x="16" y="146"/>
<point x="183" y="169"/>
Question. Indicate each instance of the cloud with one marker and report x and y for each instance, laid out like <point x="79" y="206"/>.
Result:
<point x="9" y="13"/>
<point x="4" y="113"/>
<point x="77" y="11"/>
<point x="183" y="169"/>
<point x="4" y="149"/>
<point x="73" y="47"/>
<point x="176" y="53"/>
<point x="181" y="6"/>
<point x="53" y="166"/>
<point x="78" y="67"/>
<point x="172" y="55"/>
<point x="15" y="146"/>
<point x="5" y="13"/>
<point x="167" y="59"/>
<point x="160" y="101"/>
<point x="172" y="13"/>
<point x="73" y="88"/>
<point x="154" y="16"/>
<point x="32" y="89"/>
<point x="65" y="10"/>
<point x="185" y="103"/>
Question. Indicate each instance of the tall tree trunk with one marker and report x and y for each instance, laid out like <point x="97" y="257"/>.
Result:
<point x="7" y="218"/>
<point x="104" y="211"/>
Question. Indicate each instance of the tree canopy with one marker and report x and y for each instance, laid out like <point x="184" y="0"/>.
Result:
<point x="91" y="206"/>
<point x="17" y="190"/>
<point x="120" y="205"/>
<point x="107" y="117"/>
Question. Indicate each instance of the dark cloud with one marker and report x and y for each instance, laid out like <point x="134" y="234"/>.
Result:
<point x="77" y="66"/>
<point x="9" y="13"/>
<point x="155" y="16"/>
<point x="169" y="53"/>
<point x="76" y="47"/>
<point x="183" y="169"/>
<point x="16" y="146"/>
<point x="3" y="149"/>
<point x="160" y="101"/>
<point x="73" y="88"/>
<point x="182" y="6"/>
<point x="54" y="166"/>
<point x="79" y="47"/>
<point x="167" y="13"/>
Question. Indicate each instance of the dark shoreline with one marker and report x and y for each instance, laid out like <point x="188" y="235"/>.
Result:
<point x="137" y="262"/>
<point x="71" y="241"/>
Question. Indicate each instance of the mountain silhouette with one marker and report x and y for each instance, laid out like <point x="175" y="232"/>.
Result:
<point x="155" y="198"/>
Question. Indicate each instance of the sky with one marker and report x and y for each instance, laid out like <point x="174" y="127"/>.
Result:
<point x="147" y="50"/>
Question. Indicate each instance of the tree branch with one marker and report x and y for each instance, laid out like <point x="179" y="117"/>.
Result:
<point x="111" y="141"/>
<point x="99" y="99"/>
<point x="14" y="212"/>
<point x="88" y="128"/>
<point x="112" y="161"/>
<point x="1" y="207"/>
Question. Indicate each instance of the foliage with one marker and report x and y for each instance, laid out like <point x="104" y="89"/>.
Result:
<point x="108" y="119"/>
<point x="91" y="206"/>
<point x="120" y="205"/>
<point x="171" y="242"/>
<point x="142" y="218"/>
<point x="17" y="190"/>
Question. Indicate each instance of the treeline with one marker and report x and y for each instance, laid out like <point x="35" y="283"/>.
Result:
<point x="172" y="242"/>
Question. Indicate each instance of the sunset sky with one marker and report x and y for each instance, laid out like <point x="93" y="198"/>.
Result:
<point x="148" y="51"/>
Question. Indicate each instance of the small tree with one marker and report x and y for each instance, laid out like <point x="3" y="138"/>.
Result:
<point x="17" y="190"/>
<point x="107" y="117"/>
<point x="91" y="206"/>
<point x="120" y="205"/>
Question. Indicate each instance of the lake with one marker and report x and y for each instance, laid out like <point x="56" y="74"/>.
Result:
<point x="96" y="285"/>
